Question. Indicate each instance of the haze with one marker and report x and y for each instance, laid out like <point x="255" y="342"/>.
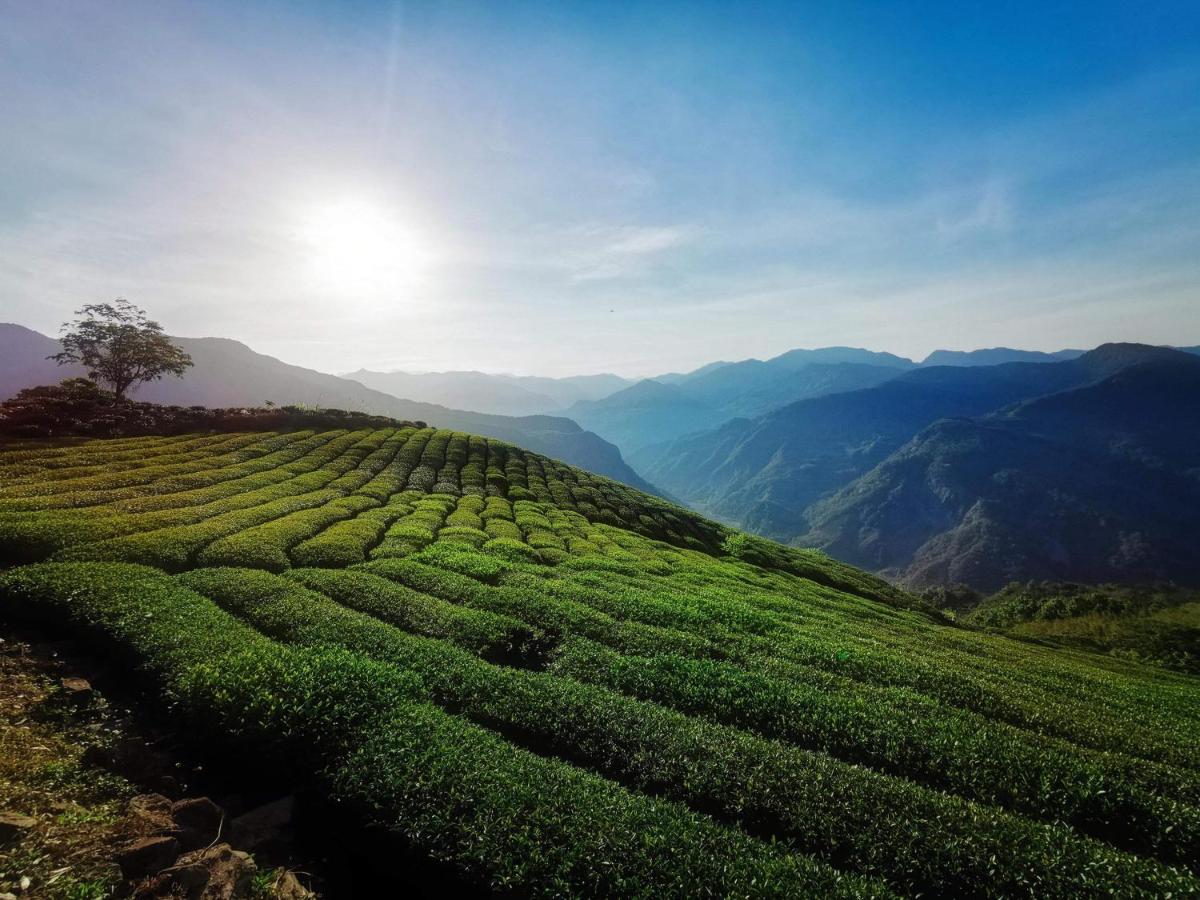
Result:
<point x="572" y="188"/>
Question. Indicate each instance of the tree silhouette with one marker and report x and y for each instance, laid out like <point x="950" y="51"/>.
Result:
<point x="119" y="346"/>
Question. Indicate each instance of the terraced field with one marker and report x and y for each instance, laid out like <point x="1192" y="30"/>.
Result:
<point x="554" y="684"/>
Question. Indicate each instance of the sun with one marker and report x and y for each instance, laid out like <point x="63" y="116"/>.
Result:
<point x="355" y="244"/>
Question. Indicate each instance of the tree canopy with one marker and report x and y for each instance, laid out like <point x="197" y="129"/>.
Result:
<point x="119" y="346"/>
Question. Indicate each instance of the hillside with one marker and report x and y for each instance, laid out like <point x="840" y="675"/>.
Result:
<point x="1156" y="623"/>
<point x="227" y="374"/>
<point x="765" y="473"/>
<point x="535" y="681"/>
<point x="1093" y="484"/>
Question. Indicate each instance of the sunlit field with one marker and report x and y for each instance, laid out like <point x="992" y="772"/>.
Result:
<point x="553" y="683"/>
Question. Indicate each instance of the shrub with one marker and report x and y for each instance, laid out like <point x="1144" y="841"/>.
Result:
<point x="266" y="546"/>
<point x="511" y="550"/>
<point x="471" y="537"/>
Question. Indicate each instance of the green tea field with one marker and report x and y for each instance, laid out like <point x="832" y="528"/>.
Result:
<point x="550" y="684"/>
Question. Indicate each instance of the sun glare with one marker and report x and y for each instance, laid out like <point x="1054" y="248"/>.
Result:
<point x="359" y="245"/>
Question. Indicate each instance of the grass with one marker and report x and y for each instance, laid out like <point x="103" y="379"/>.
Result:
<point x="554" y="684"/>
<point x="76" y="808"/>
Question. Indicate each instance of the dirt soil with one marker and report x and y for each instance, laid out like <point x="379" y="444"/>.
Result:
<point x="70" y="762"/>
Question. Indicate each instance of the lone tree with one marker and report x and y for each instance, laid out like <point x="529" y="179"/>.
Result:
<point x="119" y="346"/>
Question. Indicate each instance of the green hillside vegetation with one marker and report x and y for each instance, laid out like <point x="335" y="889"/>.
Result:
<point x="1154" y="624"/>
<point x="553" y="684"/>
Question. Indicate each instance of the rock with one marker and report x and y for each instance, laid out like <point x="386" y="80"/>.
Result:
<point x="229" y="873"/>
<point x="79" y="690"/>
<point x="145" y="856"/>
<point x="288" y="887"/>
<point x="13" y="825"/>
<point x="151" y="814"/>
<point x="212" y="873"/>
<point x="199" y="821"/>
<point x="186" y="880"/>
<point x="263" y="825"/>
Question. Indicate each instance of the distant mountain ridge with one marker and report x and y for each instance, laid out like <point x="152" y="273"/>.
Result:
<point x="1097" y="483"/>
<point x="772" y="473"/>
<point x="716" y="393"/>
<point x="228" y="373"/>
<point x="660" y="409"/>
<point x="765" y="472"/>
<point x="510" y="395"/>
<point x="995" y="356"/>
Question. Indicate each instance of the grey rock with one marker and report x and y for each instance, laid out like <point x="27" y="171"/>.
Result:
<point x="146" y="856"/>
<point x="199" y="821"/>
<point x="13" y="825"/>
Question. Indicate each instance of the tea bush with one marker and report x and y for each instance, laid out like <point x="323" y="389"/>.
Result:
<point x="559" y="685"/>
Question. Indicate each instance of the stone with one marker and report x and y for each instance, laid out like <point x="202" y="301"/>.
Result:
<point x="187" y="880"/>
<point x="178" y="881"/>
<point x="13" y="825"/>
<point x="146" y="856"/>
<point x="150" y="814"/>
<point x="263" y="825"/>
<point x="230" y="872"/>
<point x="214" y="873"/>
<point x="199" y="821"/>
<point x="78" y="689"/>
<point x="288" y="887"/>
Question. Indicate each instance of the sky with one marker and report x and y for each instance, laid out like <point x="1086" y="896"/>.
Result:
<point x="568" y="188"/>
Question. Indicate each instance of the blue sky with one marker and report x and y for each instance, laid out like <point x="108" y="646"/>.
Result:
<point x="575" y="187"/>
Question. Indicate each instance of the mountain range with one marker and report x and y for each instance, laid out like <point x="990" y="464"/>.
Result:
<point x="656" y="410"/>
<point x="509" y="395"/>
<point x="1083" y="469"/>
<point x="228" y="373"/>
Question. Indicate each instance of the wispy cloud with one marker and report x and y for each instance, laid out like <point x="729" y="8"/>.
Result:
<point x="990" y="212"/>
<point x="608" y="252"/>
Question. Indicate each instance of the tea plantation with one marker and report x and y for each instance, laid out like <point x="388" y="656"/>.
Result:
<point x="552" y="684"/>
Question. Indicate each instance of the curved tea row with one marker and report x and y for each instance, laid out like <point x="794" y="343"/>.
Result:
<point x="557" y="684"/>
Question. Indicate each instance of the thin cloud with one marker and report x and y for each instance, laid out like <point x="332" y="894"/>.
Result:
<point x="625" y="251"/>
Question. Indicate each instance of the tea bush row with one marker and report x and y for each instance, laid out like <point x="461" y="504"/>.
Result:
<point x="918" y="840"/>
<point x="506" y="818"/>
<point x="943" y="751"/>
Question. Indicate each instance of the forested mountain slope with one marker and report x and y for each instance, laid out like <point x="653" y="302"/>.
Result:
<point x="1158" y="623"/>
<point x="1100" y="483"/>
<point x="765" y="473"/>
